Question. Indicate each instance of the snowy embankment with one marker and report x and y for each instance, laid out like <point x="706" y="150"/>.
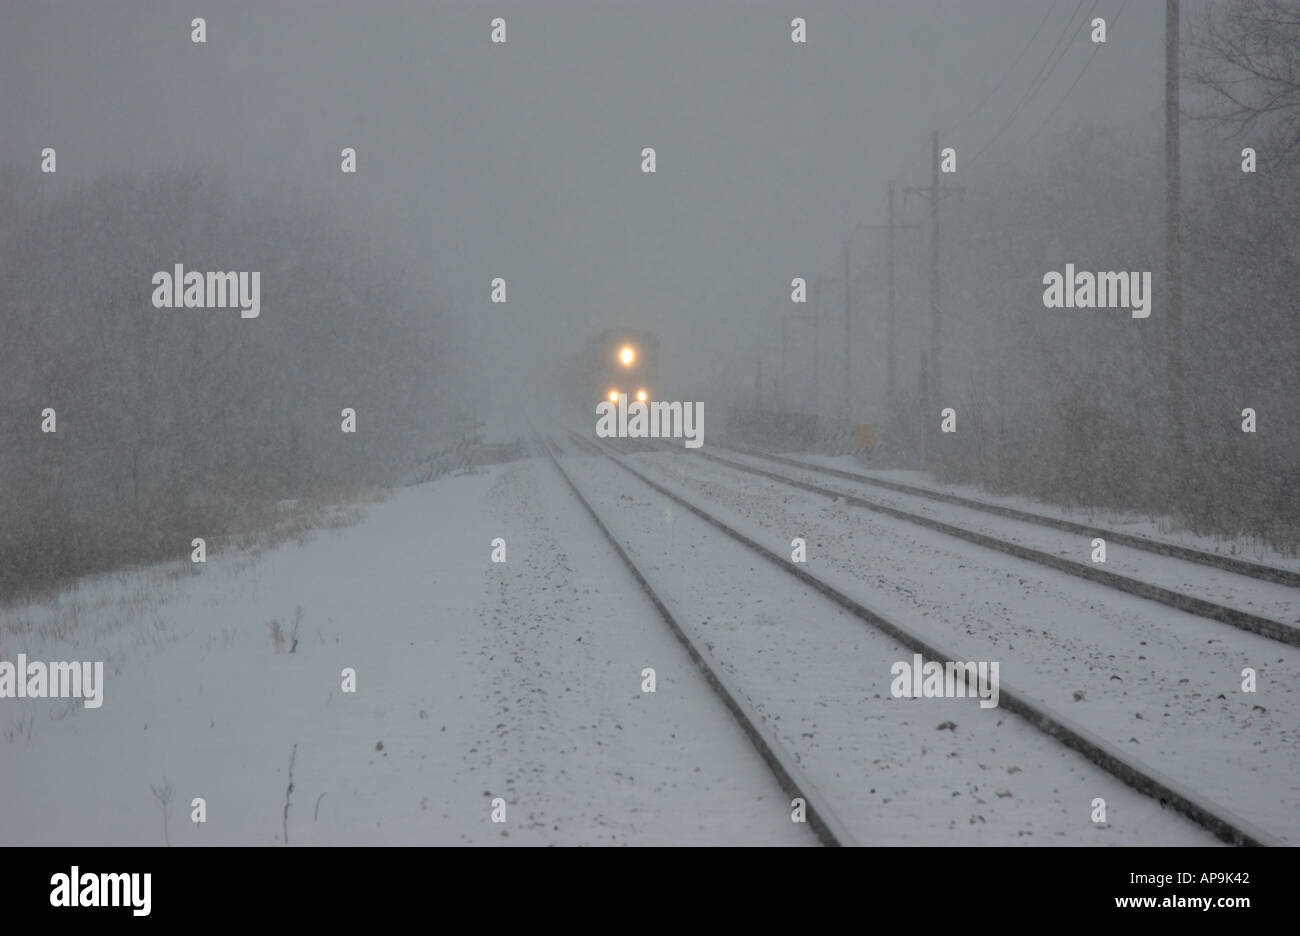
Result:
<point x="1162" y="683"/>
<point x="1162" y="530"/>
<point x="475" y="681"/>
<point x="1277" y="602"/>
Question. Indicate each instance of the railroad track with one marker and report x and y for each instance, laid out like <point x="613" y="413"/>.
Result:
<point x="1235" y="617"/>
<point x="784" y="766"/>
<point x="1264" y="573"/>
<point x="1215" y="818"/>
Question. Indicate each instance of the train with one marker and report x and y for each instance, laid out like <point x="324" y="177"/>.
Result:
<point x="619" y="361"/>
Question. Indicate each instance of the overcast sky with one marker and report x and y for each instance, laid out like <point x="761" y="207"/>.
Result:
<point x="523" y="160"/>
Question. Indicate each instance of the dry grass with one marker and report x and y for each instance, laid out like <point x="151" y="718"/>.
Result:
<point x="42" y="563"/>
<point x="128" y="598"/>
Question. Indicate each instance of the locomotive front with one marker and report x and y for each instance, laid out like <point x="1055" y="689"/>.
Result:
<point x="627" y="365"/>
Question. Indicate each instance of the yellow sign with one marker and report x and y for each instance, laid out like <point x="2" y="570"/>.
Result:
<point x="866" y="437"/>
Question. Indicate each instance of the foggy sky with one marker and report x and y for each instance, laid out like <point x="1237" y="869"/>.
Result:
<point x="523" y="160"/>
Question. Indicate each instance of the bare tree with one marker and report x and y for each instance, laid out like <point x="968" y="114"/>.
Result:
<point x="1247" y="60"/>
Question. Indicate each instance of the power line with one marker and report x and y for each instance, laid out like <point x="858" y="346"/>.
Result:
<point x="1077" y="79"/>
<point x="1040" y="79"/>
<point x="1064" y="44"/>
<point x="988" y="97"/>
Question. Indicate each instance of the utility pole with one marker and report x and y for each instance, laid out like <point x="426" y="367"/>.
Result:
<point x="817" y="344"/>
<point x="935" y="331"/>
<point x="923" y="388"/>
<point x="802" y="395"/>
<point x="818" y="284"/>
<point x="847" y="386"/>
<point x="891" y="371"/>
<point x="791" y="398"/>
<point x="1173" y="234"/>
<point x="848" y="331"/>
<point x="785" y="363"/>
<point x="932" y="385"/>
<point x="891" y="339"/>
<point x="934" y="191"/>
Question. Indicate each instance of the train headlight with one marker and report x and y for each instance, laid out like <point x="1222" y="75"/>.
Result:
<point x="627" y="356"/>
<point x="613" y="396"/>
<point x="642" y="396"/>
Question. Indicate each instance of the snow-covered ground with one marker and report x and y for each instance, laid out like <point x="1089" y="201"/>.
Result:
<point x="523" y="680"/>
<point x="474" y="680"/>
<point x="1162" y="683"/>
<point x="1247" y="548"/>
